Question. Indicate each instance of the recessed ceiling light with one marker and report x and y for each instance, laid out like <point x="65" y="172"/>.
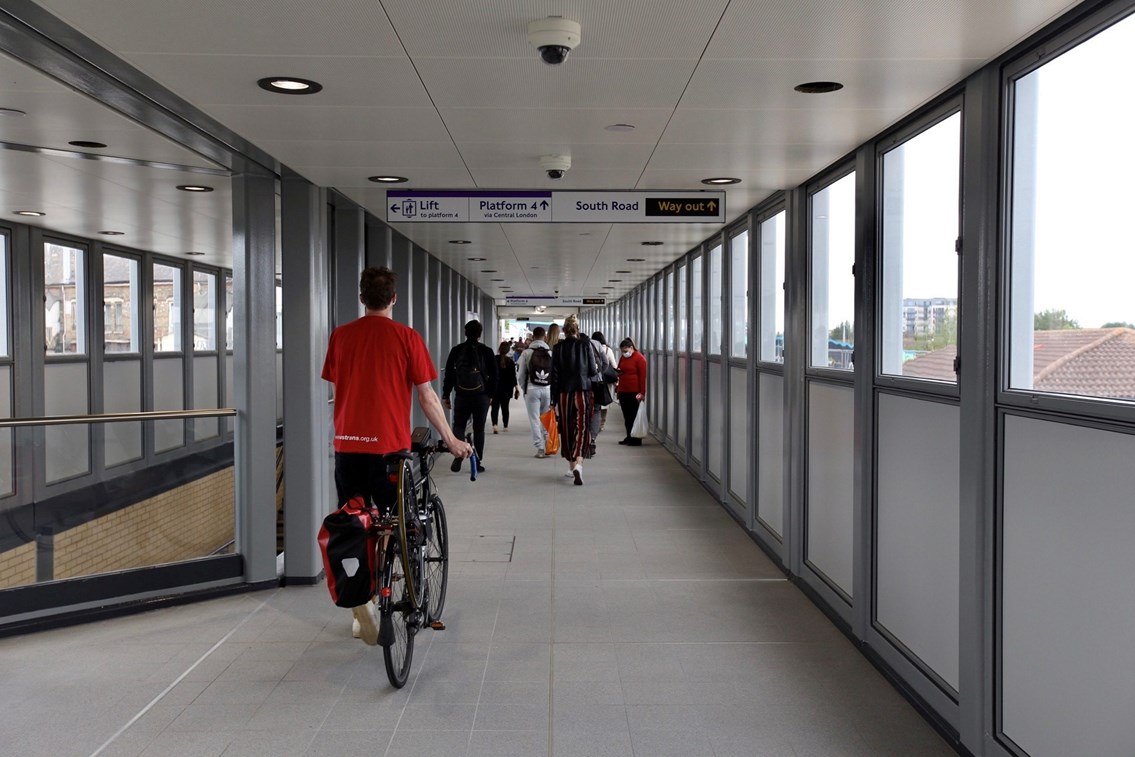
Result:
<point x="289" y="85"/>
<point x="620" y="127"/>
<point x="194" y="188"/>
<point x="12" y="112"/>
<point x="488" y="270"/>
<point x="195" y="253"/>
<point x="501" y="280"/>
<point x="87" y="143"/>
<point x="32" y="213"/>
<point x="388" y="179"/>
<point x="475" y="260"/>
<point x="112" y="233"/>
<point x="721" y="180"/>
<point x="818" y="87"/>
<point x="650" y="244"/>
<point x="459" y="241"/>
<point x="622" y="271"/>
<point x="615" y="281"/>
<point x="636" y="260"/>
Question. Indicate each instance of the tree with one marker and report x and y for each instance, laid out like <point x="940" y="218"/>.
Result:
<point x="1053" y="320"/>
<point x="1117" y="325"/>
<point x="843" y="333"/>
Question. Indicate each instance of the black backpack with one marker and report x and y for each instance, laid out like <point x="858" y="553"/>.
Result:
<point x="470" y="370"/>
<point x="540" y="367"/>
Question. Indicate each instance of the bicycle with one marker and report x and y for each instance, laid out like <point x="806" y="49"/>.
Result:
<point x="413" y="556"/>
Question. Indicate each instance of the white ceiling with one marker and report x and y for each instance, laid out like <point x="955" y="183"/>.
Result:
<point x="448" y="93"/>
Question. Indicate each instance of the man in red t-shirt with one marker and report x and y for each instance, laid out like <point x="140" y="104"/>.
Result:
<point x="374" y="364"/>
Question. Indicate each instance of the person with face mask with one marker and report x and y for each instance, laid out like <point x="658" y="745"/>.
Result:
<point x="631" y="389"/>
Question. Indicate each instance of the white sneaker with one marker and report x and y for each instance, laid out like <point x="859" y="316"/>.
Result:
<point x="578" y="474"/>
<point x="367" y="623"/>
<point x="356" y="628"/>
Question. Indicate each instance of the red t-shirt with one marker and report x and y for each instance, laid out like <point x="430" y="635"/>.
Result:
<point x="375" y="363"/>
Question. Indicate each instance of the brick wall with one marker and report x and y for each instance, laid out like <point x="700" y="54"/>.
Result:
<point x="191" y="521"/>
<point x="17" y="566"/>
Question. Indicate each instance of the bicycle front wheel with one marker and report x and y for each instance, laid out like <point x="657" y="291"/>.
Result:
<point x="437" y="558"/>
<point x="397" y="616"/>
<point x="411" y="536"/>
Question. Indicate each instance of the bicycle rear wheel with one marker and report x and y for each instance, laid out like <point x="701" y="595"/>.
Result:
<point x="398" y="619"/>
<point x="411" y="536"/>
<point x="437" y="558"/>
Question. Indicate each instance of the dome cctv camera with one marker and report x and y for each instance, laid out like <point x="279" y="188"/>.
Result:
<point x="555" y="165"/>
<point x="554" y="37"/>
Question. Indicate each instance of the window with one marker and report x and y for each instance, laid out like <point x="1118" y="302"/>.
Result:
<point x="920" y="263"/>
<point x="682" y="324"/>
<point x="739" y="287"/>
<point x="1072" y="313"/>
<point x="5" y="298"/>
<point x="228" y="312"/>
<point x="64" y="300"/>
<point x="833" y="283"/>
<point x="668" y="327"/>
<point x="772" y="288"/>
<point x="120" y="304"/>
<point x="204" y="311"/>
<point x="167" y="308"/>
<point x="280" y="315"/>
<point x="696" y="307"/>
<point x="715" y="300"/>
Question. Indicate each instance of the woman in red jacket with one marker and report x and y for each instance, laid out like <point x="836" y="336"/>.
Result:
<point x="632" y="386"/>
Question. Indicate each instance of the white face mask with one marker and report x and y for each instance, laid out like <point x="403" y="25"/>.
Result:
<point x="626" y="353"/>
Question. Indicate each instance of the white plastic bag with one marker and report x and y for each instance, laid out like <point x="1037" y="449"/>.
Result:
<point x="638" y="429"/>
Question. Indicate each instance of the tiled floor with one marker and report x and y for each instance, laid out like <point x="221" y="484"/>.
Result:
<point x="634" y="619"/>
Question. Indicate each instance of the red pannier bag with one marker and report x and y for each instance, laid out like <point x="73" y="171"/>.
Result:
<point x="348" y="545"/>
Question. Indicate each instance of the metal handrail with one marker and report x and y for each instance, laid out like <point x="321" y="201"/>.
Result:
<point x="150" y="415"/>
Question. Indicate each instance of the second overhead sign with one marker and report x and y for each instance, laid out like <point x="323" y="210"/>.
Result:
<point x="456" y="206"/>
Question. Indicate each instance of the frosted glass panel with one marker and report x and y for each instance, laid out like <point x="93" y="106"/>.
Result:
<point x="770" y="453"/>
<point x="229" y="398"/>
<point x="68" y="448"/>
<point x="205" y="396"/>
<point x="122" y="393"/>
<point x="169" y="394"/>
<point x="7" y="479"/>
<point x="671" y="382"/>
<point x="683" y="400"/>
<point x="1068" y="601"/>
<point x="697" y="421"/>
<point x="739" y="435"/>
<point x="917" y="529"/>
<point x="279" y="386"/>
<point x="831" y="483"/>
<point x="715" y="452"/>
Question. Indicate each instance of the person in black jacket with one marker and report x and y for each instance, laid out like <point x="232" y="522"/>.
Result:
<point x="471" y="374"/>
<point x="506" y="385"/>
<point x="573" y="366"/>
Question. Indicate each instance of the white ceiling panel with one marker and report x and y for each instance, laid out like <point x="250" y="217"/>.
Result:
<point x="721" y="159"/>
<point x="313" y="152"/>
<point x="834" y="127"/>
<point x="570" y="125"/>
<point x="654" y="29"/>
<point x="584" y="157"/>
<point x="348" y="123"/>
<point x="503" y="83"/>
<point x="867" y="83"/>
<point x="423" y="178"/>
<point x="255" y="27"/>
<point x="861" y="29"/>
<point x="207" y="80"/>
<point x="576" y="178"/>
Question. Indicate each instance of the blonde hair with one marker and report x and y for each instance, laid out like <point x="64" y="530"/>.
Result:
<point x="553" y="335"/>
<point x="571" y="326"/>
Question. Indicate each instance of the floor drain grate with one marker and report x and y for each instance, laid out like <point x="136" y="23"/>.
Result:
<point x="490" y="548"/>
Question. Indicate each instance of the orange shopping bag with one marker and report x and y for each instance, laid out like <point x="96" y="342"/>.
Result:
<point x="552" y="440"/>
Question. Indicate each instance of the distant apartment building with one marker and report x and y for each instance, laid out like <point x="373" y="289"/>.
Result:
<point x="927" y="316"/>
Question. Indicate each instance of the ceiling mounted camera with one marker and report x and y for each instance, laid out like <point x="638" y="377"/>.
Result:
<point x="554" y="37"/>
<point x="555" y="165"/>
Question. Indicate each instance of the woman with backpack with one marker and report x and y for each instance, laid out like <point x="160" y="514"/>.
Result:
<point x="601" y="345"/>
<point x="506" y="385"/>
<point x="534" y="374"/>
<point x="573" y="365"/>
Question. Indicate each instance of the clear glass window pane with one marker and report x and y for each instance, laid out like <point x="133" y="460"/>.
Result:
<point x="167" y="308"/>
<point x="772" y="288"/>
<point x="682" y="324"/>
<point x="204" y="311"/>
<point x="228" y="312"/>
<point x="696" y="306"/>
<point x="280" y="315"/>
<point x="715" y="300"/>
<point x="920" y="262"/>
<point x="64" y="305"/>
<point x="739" y="286"/>
<point x="1072" y="313"/>
<point x="5" y="297"/>
<point x="833" y="283"/>
<point x="668" y="324"/>
<point x="120" y="287"/>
